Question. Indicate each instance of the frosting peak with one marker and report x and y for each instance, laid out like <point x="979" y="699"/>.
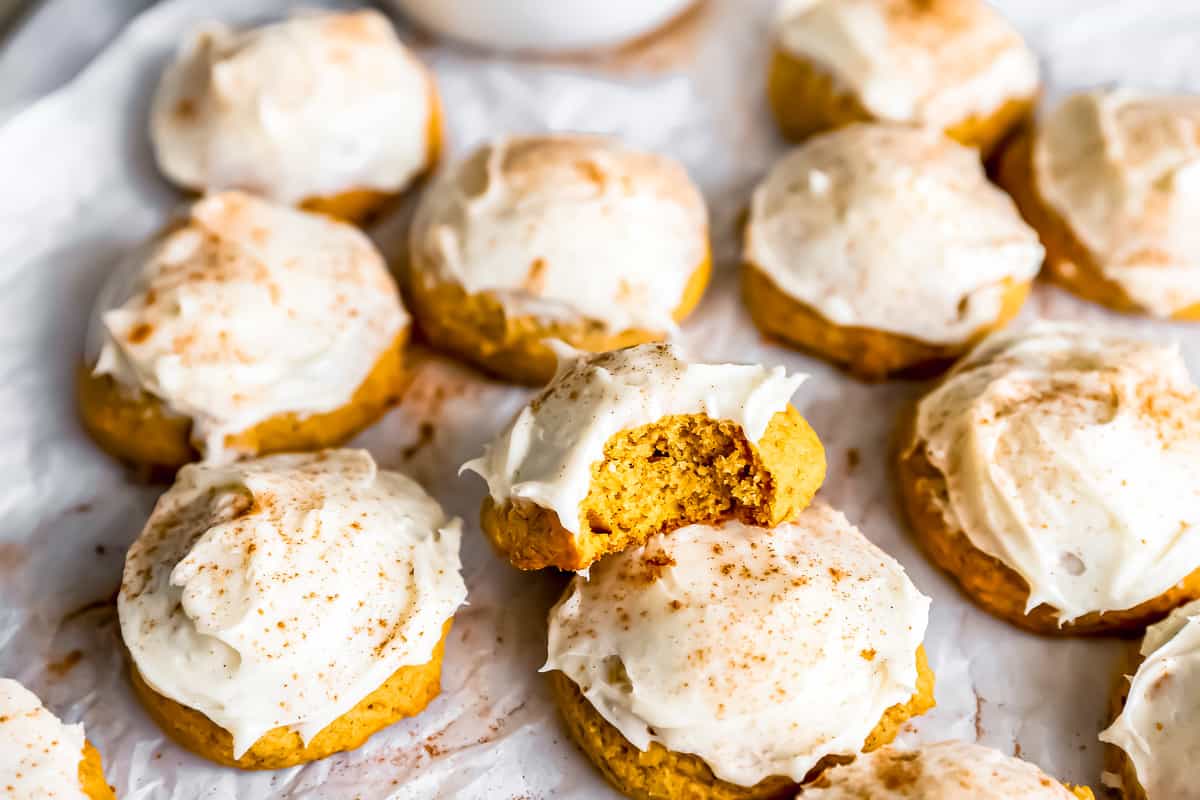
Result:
<point x="1122" y="169"/>
<point x="546" y="453"/>
<point x="893" y="228"/>
<point x="936" y="62"/>
<point x="244" y="310"/>
<point x="1070" y="454"/>
<point x="759" y="650"/>
<point x="565" y="226"/>
<point x="281" y="591"/>
<point x="39" y="755"/>
<point x="312" y="106"/>
<point x="1158" y="728"/>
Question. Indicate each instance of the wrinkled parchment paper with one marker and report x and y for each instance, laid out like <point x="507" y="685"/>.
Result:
<point x="79" y="189"/>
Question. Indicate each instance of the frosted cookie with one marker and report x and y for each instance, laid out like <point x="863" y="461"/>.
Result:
<point x="41" y="757"/>
<point x="943" y="771"/>
<point x="565" y="237"/>
<point x="244" y="328"/>
<point x="1109" y="179"/>
<point x="282" y="609"/>
<point x="953" y="65"/>
<point x="634" y="442"/>
<point x="328" y="111"/>
<point x="1155" y="738"/>
<point x="884" y="248"/>
<point x="734" y="662"/>
<point x="1054" y="474"/>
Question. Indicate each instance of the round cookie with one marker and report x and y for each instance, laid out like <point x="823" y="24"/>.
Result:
<point x="627" y="444"/>
<point x="568" y="237"/>
<point x="1154" y="739"/>
<point x="884" y="249"/>
<point x="243" y="329"/>
<point x="736" y="662"/>
<point x="1104" y="180"/>
<point x="943" y="771"/>
<point x="42" y="757"/>
<point x="952" y="65"/>
<point x="282" y="609"/>
<point x="328" y="111"/>
<point x="1052" y="473"/>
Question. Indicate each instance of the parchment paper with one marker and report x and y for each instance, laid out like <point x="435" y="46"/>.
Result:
<point x="79" y="189"/>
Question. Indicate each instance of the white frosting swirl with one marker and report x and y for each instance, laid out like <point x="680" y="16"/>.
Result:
<point x="546" y="453"/>
<point x="1070" y="454"/>
<point x="758" y="650"/>
<point x="936" y="62"/>
<point x="39" y="755"/>
<point x="312" y="106"/>
<point x="1122" y="170"/>
<point x="563" y="227"/>
<point x="282" y="591"/>
<point x="943" y="771"/>
<point x="247" y="310"/>
<point x="890" y="228"/>
<point x="1158" y="728"/>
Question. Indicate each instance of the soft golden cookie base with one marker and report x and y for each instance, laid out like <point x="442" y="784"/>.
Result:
<point x="989" y="582"/>
<point x="806" y="100"/>
<point x="867" y="353"/>
<point x="1115" y="759"/>
<point x="405" y="694"/>
<point x="478" y="329"/>
<point x="138" y="428"/>
<point x="91" y="775"/>
<point x="1068" y="261"/>
<point x="662" y="774"/>
<point x="635" y="493"/>
<point x="360" y="205"/>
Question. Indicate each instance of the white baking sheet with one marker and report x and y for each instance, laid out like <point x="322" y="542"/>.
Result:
<point x="79" y="188"/>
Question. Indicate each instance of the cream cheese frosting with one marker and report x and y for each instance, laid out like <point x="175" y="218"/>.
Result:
<point x="1122" y="170"/>
<point x="1070" y="454"/>
<point x="1159" y="727"/>
<point x="943" y="771"/>
<point x="312" y="106"/>
<point x="891" y="228"/>
<point x="282" y="591"/>
<point x="565" y="226"/>
<point x="934" y="62"/>
<point x="759" y="650"/>
<point x="546" y="453"/>
<point x="245" y="310"/>
<point x="39" y="755"/>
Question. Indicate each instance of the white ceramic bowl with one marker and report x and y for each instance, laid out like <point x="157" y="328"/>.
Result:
<point x="542" y="26"/>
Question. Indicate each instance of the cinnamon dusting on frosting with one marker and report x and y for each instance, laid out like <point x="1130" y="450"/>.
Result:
<point x="244" y="310"/>
<point x="565" y="226"/>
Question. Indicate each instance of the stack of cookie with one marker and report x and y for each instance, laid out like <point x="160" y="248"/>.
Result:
<point x="724" y="637"/>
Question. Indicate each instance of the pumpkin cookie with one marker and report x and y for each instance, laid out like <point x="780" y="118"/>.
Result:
<point x="324" y="110"/>
<point x="40" y="756"/>
<point x="951" y="65"/>
<point x="1154" y="742"/>
<point x="634" y="442"/>
<point x="732" y="662"/>
<point x="943" y="771"/>
<point x="567" y="237"/>
<point x="245" y="328"/>
<point x="1053" y="474"/>
<point x="884" y="249"/>
<point x="280" y="610"/>
<point x="1105" y="180"/>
